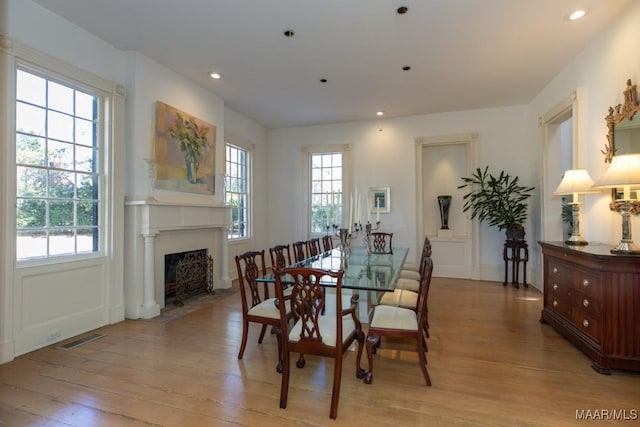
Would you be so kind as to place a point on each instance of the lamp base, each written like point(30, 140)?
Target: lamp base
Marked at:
point(576, 242)
point(626, 247)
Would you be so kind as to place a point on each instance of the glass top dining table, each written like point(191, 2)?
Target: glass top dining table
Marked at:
point(362, 269)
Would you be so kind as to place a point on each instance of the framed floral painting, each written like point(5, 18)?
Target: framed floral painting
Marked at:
point(184, 151)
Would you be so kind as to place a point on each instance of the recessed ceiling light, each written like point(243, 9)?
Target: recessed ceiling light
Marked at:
point(380, 113)
point(215, 75)
point(288, 33)
point(577, 15)
point(402, 10)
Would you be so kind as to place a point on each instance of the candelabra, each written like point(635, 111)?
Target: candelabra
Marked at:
point(345, 235)
point(367, 234)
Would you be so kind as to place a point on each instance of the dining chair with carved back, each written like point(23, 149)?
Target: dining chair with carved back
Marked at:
point(381, 242)
point(407, 291)
point(313, 247)
point(412, 271)
point(327, 242)
point(399, 322)
point(280, 256)
point(313, 333)
point(257, 306)
point(299, 250)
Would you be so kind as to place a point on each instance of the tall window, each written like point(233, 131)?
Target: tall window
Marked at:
point(326, 190)
point(237, 190)
point(57, 168)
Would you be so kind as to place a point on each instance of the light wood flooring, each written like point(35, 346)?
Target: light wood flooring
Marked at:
point(491, 362)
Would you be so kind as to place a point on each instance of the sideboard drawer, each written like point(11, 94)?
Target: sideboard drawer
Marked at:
point(587, 284)
point(586, 303)
point(587, 324)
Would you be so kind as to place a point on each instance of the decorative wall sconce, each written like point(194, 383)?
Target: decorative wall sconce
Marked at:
point(624, 171)
point(574, 182)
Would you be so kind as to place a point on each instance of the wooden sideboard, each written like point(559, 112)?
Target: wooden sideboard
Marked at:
point(592, 298)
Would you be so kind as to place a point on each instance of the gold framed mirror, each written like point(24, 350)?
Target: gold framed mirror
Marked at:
point(624, 133)
point(623, 137)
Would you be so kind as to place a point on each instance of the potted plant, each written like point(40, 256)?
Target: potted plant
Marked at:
point(193, 140)
point(500, 201)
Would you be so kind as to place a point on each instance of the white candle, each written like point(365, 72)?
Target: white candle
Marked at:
point(355, 208)
point(377, 210)
point(350, 211)
point(369, 209)
point(357, 219)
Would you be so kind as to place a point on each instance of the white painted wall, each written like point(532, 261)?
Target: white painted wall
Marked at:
point(45, 304)
point(149, 82)
point(386, 159)
point(602, 68)
point(251, 132)
point(146, 82)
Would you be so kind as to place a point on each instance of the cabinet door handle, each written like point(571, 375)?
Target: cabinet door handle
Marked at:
point(585, 302)
point(555, 303)
point(585, 323)
point(555, 269)
point(585, 283)
point(555, 286)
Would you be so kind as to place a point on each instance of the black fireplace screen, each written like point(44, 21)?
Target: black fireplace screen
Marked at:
point(187, 274)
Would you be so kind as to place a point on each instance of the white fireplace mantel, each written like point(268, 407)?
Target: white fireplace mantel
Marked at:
point(155, 228)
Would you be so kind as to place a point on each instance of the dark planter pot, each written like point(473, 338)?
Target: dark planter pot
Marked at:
point(515, 233)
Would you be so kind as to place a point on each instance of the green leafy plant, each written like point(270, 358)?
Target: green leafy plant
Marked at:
point(192, 139)
point(499, 201)
point(567, 214)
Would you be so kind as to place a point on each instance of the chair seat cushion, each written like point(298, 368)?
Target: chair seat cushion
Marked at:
point(408, 284)
point(388, 317)
point(266, 308)
point(412, 266)
point(409, 274)
point(327, 325)
point(400, 298)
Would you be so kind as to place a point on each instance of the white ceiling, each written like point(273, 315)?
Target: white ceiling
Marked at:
point(463, 54)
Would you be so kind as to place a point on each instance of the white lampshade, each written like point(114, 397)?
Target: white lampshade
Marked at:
point(575, 181)
point(624, 170)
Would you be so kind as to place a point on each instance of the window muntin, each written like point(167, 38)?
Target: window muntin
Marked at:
point(57, 168)
point(326, 190)
point(237, 190)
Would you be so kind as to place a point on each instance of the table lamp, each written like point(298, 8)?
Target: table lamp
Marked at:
point(575, 181)
point(624, 171)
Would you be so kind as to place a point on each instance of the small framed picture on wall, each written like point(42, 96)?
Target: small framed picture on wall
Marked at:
point(380, 199)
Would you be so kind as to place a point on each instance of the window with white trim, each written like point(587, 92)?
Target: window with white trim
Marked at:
point(326, 190)
point(237, 190)
point(58, 168)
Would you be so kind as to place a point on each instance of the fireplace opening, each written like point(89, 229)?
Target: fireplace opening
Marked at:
point(187, 274)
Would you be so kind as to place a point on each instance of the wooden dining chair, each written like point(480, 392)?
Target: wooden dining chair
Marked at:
point(280, 256)
point(398, 322)
point(313, 247)
point(327, 242)
point(257, 307)
point(407, 291)
point(381, 242)
point(410, 279)
point(314, 333)
point(410, 271)
point(300, 250)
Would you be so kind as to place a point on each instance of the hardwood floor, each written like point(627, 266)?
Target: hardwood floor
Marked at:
point(491, 362)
